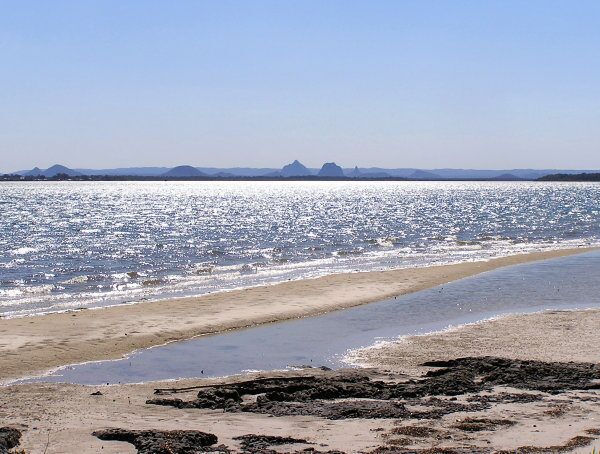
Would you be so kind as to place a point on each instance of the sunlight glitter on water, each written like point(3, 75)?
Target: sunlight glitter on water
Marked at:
point(87, 244)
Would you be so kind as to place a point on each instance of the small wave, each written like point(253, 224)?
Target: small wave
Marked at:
point(24, 250)
point(127, 275)
point(76, 280)
point(468, 243)
point(18, 291)
point(10, 293)
point(152, 282)
point(202, 269)
point(90, 230)
point(40, 288)
point(386, 242)
point(346, 253)
point(123, 287)
point(248, 268)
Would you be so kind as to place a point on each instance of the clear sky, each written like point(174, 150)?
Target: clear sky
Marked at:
point(480, 83)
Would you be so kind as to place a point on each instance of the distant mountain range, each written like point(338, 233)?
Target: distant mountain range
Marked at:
point(51, 172)
point(297, 170)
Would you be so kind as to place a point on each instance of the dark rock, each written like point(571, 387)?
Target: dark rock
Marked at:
point(259, 443)
point(433, 450)
point(219, 398)
point(576, 442)
point(367, 409)
point(162, 442)
point(506, 398)
point(414, 431)
point(550, 377)
point(330, 395)
point(479, 424)
point(9, 438)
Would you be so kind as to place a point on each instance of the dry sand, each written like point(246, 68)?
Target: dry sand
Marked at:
point(34, 344)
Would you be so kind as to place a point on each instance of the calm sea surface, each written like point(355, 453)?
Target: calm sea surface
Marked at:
point(67, 245)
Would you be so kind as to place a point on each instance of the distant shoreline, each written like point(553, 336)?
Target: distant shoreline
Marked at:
point(571, 177)
point(13, 178)
point(584, 177)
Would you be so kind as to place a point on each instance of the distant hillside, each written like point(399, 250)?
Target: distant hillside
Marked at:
point(424, 175)
point(35, 172)
point(357, 173)
point(295, 169)
point(508, 177)
point(51, 171)
point(238, 171)
point(468, 174)
point(331, 169)
point(571, 177)
point(126, 171)
point(183, 172)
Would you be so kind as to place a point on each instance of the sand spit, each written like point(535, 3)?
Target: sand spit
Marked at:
point(35, 344)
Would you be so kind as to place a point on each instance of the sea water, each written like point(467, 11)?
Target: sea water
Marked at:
point(66, 245)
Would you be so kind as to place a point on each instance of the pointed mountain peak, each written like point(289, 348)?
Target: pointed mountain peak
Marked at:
point(295, 169)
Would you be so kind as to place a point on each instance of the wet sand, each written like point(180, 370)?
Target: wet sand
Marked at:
point(35, 344)
point(539, 415)
point(563, 336)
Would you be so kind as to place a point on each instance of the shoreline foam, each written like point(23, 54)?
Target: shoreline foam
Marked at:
point(41, 300)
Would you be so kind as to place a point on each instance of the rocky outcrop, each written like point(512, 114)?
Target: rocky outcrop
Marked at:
point(163, 442)
point(9, 438)
point(353, 394)
point(260, 443)
point(550, 377)
point(195, 442)
point(419, 404)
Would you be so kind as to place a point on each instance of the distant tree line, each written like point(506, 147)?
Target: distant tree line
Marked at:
point(571, 177)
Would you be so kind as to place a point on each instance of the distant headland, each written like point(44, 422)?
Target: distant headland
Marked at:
point(296, 171)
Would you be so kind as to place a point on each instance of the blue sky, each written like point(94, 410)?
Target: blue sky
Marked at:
point(487, 84)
